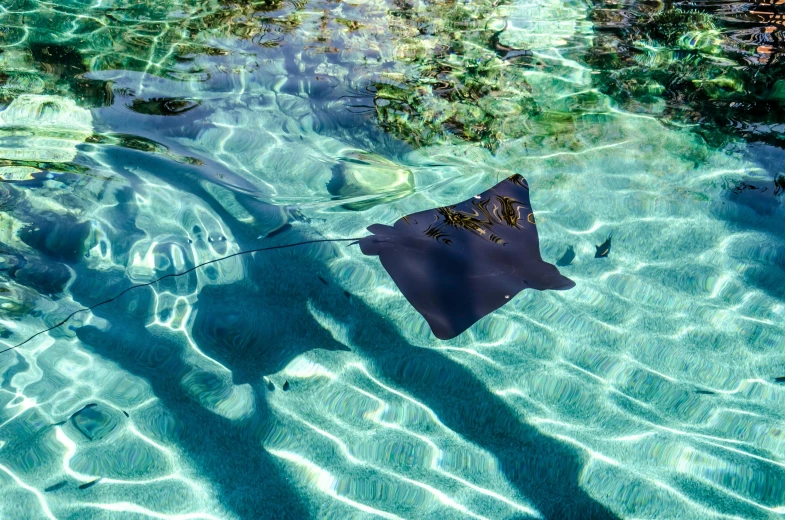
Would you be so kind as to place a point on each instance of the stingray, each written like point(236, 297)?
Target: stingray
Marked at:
point(454, 264)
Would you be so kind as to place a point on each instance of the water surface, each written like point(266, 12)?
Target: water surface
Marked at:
point(139, 139)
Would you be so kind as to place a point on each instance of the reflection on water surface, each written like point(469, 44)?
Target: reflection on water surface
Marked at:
point(139, 139)
point(717, 65)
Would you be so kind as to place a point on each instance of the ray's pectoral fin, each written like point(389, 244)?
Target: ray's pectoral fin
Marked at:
point(372, 244)
point(544, 276)
point(555, 282)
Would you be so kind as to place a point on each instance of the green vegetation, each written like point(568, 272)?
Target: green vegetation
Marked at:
point(685, 67)
point(456, 84)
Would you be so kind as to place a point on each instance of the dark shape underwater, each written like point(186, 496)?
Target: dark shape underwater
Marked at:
point(459, 263)
point(567, 257)
point(604, 249)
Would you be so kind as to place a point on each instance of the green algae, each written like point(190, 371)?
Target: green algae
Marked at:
point(366, 180)
point(456, 84)
point(684, 66)
point(447, 72)
point(674, 26)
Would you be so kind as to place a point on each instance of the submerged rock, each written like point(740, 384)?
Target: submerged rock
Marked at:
point(94, 422)
point(763, 196)
point(365, 180)
point(59, 237)
point(40, 132)
point(163, 106)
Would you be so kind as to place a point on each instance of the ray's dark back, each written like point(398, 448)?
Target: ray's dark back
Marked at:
point(456, 264)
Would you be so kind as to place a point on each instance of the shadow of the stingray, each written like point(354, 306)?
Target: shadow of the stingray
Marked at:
point(258, 325)
point(258, 328)
point(545, 470)
point(227, 453)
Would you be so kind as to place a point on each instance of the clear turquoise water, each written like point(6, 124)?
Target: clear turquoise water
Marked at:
point(650, 390)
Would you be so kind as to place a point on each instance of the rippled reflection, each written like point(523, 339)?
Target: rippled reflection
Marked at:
point(139, 139)
point(715, 64)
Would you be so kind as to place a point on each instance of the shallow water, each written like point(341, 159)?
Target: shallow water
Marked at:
point(141, 139)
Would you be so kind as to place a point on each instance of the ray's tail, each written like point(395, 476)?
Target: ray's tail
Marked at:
point(175, 275)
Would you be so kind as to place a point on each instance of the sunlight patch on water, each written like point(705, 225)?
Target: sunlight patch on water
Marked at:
point(657, 371)
point(346, 406)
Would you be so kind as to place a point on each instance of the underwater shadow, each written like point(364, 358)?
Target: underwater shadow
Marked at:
point(545, 470)
point(227, 327)
point(229, 454)
point(256, 326)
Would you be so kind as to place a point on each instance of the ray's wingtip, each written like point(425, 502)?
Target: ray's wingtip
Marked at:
point(568, 284)
point(562, 283)
point(443, 335)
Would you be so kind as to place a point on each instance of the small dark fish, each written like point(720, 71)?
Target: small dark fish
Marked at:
point(779, 185)
point(279, 231)
point(286, 386)
point(90, 484)
point(126, 413)
point(322, 280)
point(270, 386)
point(780, 380)
point(567, 257)
point(57, 486)
point(604, 248)
point(705, 392)
point(346, 293)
